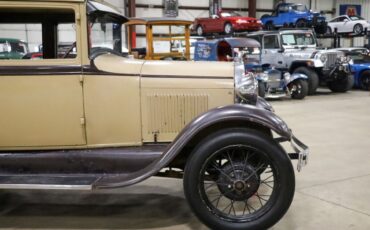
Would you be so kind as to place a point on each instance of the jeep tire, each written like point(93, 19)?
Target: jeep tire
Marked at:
point(313, 78)
point(203, 167)
point(341, 86)
point(301, 23)
point(269, 26)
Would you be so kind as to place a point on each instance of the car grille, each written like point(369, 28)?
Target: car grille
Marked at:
point(274, 78)
point(331, 60)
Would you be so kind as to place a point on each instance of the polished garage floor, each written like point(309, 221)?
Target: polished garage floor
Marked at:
point(333, 191)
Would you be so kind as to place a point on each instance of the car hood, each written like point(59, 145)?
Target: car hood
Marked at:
point(298, 53)
point(109, 63)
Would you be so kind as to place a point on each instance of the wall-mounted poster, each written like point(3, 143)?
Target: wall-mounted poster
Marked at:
point(171, 8)
point(349, 10)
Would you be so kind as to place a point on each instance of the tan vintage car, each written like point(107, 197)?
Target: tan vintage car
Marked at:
point(97, 120)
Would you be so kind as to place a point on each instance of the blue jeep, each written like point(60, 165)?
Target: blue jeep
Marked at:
point(294, 15)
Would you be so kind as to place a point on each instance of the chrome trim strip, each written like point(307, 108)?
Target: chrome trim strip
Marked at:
point(46, 187)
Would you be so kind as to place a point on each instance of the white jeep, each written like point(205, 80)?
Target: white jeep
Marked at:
point(296, 51)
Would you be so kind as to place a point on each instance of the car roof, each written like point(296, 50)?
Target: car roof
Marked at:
point(158, 21)
point(10, 40)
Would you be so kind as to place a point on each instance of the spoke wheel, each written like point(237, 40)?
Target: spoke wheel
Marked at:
point(237, 183)
point(239, 178)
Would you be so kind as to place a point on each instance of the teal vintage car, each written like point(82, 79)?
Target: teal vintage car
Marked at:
point(11, 48)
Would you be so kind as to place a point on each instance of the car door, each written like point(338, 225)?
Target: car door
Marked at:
point(271, 51)
point(41, 99)
point(339, 24)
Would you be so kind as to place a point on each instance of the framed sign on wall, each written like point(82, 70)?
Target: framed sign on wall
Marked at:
point(171, 8)
point(350, 10)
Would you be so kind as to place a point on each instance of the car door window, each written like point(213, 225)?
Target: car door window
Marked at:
point(37, 34)
point(271, 42)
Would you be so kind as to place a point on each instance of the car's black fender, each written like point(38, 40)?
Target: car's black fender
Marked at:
point(237, 114)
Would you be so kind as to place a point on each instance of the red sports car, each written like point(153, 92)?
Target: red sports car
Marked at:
point(225, 22)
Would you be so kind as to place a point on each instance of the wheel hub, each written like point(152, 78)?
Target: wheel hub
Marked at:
point(239, 181)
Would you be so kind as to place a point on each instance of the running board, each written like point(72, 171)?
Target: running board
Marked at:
point(48, 182)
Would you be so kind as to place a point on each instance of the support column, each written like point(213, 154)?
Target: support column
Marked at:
point(252, 5)
point(132, 30)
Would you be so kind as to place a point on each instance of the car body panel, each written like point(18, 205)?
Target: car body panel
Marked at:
point(237, 112)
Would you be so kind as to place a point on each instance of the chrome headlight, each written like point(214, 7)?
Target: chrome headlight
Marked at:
point(246, 85)
point(323, 58)
point(287, 76)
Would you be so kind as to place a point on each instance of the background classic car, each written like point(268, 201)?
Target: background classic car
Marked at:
point(225, 22)
point(359, 66)
point(98, 120)
point(348, 24)
point(294, 15)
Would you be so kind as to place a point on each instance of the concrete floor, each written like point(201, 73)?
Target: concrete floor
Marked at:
point(333, 191)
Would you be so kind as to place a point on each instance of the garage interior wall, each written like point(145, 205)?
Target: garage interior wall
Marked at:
point(32, 34)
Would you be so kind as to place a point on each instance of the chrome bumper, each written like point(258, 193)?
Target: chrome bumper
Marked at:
point(301, 153)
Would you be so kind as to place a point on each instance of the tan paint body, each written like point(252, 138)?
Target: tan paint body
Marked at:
point(136, 101)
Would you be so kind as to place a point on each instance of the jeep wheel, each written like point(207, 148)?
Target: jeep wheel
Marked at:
point(261, 89)
point(298, 89)
point(239, 179)
point(301, 23)
point(228, 29)
point(357, 29)
point(269, 26)
point(341, 86)
point(200, 31)
point(313, 78)
point(365, 80)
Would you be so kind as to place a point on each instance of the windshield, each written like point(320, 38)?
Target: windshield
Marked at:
point(229, 14)
point(356, 18)
point(105, 34)
point(303, 39)
point(300, 8)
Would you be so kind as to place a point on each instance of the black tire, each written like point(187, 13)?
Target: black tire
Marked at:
point(365, 80)
point(301, 23)
point(358, 29)
point(342, 86)
point(269, 26)
point(266, 148)
point(228, 29)
point(261, 89)
point(313, 78)
point(200, 31)
point(298, 89)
